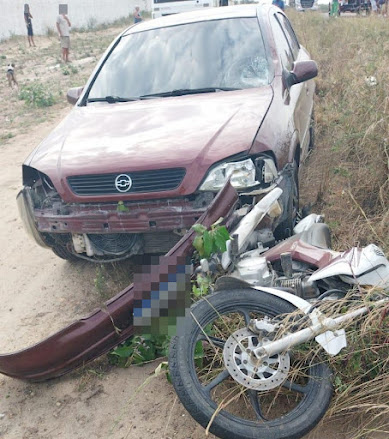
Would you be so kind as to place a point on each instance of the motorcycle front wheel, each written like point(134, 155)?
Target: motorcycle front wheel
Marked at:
point(288, 409)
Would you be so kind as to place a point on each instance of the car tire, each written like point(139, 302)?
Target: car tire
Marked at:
point(200, 404)
point(63, 253)
point(285, 228)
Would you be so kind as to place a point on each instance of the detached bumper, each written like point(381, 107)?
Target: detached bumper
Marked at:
point(88, 338)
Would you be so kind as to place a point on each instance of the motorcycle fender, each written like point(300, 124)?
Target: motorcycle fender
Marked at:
point(331, 341)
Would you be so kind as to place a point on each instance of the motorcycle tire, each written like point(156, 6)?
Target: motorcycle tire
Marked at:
point(315, 398)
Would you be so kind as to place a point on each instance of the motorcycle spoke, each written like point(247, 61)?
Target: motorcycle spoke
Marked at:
point(218, 342)
point(253, 396)
point(290, 385)
point(216, 381)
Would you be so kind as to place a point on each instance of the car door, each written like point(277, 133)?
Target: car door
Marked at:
point(300, 96)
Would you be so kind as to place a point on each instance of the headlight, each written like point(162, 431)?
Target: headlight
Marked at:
point(243, 175)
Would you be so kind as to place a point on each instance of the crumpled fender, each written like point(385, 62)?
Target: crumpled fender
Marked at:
point(92, 336)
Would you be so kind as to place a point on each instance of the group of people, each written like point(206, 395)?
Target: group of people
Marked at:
point(63, 27)
point(377, 6)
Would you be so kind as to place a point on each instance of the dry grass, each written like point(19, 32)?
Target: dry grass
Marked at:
point(361, 370)
point(347, 180)
point(347, 175)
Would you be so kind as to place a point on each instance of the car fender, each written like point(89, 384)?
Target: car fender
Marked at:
point(294, 149)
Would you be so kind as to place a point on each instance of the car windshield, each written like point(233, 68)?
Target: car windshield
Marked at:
point(197, 57)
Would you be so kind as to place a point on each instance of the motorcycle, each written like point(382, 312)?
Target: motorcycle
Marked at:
point(247, 365)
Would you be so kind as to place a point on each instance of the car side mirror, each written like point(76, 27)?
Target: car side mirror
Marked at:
point(73, 94)
point(302, 71)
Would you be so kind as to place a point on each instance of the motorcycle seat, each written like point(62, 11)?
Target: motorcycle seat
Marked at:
point(317, 235)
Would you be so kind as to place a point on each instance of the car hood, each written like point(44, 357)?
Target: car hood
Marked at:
point(191, 131)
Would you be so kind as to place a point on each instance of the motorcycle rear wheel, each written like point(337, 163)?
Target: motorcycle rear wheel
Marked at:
point(302, 402)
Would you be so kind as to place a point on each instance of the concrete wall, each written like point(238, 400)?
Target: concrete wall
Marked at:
point(81, 13)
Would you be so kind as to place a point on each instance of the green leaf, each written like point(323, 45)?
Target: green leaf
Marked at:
point(199, 354)
point(123, 351)
point(208, 244)
point(121, 207)
point(222, 231)
point(220, 240)
point(198, 244)
point(199, 228)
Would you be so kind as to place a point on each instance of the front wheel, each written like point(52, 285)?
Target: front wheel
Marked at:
point(213, 376)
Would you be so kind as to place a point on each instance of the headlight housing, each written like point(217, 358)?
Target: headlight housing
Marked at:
point(243, 174)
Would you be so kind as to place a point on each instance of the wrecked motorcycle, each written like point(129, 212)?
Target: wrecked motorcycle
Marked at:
point(247, 366)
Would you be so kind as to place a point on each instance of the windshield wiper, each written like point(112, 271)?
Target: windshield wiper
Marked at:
point(112, 99)
point(189, 91)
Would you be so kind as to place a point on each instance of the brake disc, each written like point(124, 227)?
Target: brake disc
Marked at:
point(248, 370)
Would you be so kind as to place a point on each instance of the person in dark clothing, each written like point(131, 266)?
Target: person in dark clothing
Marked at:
point(27, 19)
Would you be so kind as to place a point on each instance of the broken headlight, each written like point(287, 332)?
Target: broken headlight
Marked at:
point(243, 174)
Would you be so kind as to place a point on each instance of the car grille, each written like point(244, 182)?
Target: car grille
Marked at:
point(145, 181)
point(307, 3)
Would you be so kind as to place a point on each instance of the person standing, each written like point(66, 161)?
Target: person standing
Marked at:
point(334, 8)
point(137, 16)
point(27, 19)
point(63, 27)
point(374, 6)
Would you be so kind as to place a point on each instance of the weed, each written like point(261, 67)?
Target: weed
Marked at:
point(37, 94)
point(341, 171)
point(91, 24)
point(69, 69)
point(7, 136)
point(210, 241)
point(140, 349)
point(100, 281)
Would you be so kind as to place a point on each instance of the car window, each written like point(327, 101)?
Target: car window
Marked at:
point(282, 44)
point(222, 53)
point(290, 35)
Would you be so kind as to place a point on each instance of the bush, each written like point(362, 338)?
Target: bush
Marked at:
point(37, 95)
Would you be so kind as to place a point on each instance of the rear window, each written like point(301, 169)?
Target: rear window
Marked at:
point(222, 53)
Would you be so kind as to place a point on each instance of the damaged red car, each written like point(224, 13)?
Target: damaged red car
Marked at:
point(175, 108)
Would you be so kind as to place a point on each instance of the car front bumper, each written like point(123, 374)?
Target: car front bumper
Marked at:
point(136, 217)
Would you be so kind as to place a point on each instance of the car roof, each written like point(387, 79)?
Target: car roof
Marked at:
point(207, 14)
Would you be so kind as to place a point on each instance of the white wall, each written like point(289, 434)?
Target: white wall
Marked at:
point(45, 12)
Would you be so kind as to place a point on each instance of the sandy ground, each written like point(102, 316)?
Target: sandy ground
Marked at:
point(40, 294)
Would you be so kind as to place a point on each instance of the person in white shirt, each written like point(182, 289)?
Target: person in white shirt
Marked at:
point(63, 27)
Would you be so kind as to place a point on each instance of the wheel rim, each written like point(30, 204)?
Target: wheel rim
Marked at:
point(234, 401)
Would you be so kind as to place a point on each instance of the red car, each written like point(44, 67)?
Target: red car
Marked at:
point(175, 107)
